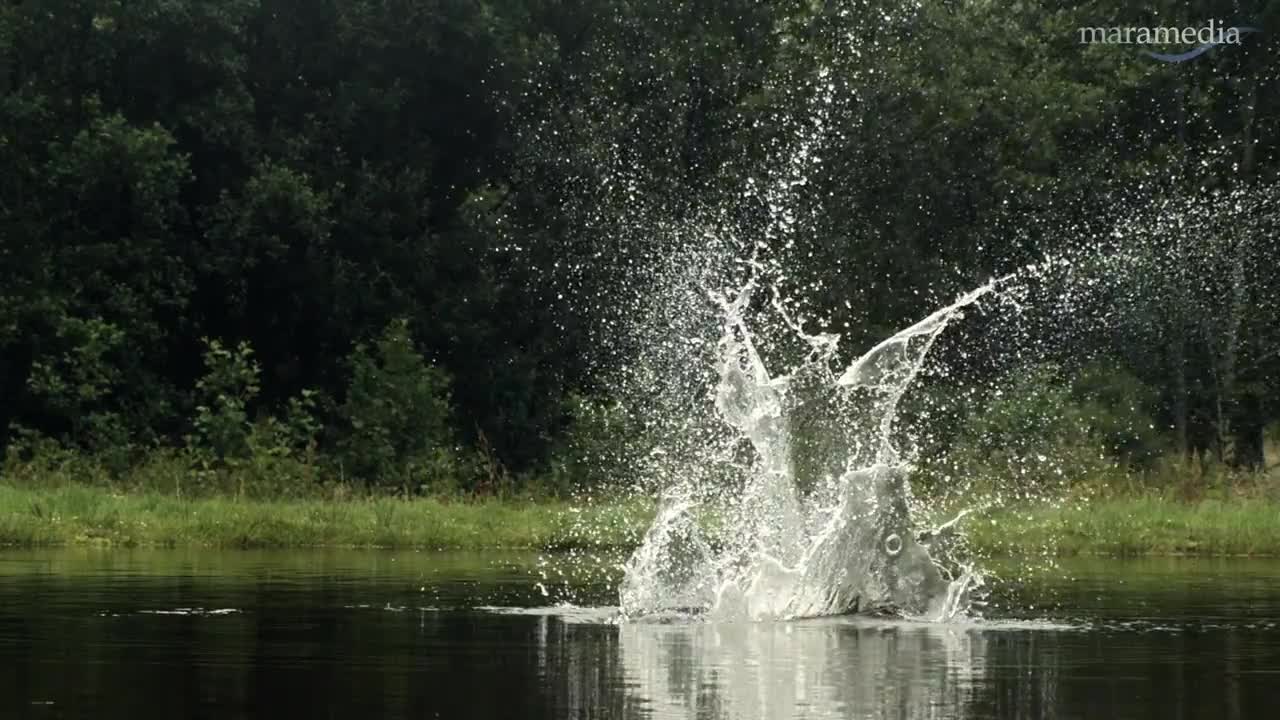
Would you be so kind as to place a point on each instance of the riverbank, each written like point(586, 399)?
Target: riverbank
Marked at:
point(83, 515)
point(1145, 525)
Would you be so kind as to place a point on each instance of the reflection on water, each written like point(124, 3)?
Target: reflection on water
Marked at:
point(354, 635)
point(829, 668)
point(819, 669)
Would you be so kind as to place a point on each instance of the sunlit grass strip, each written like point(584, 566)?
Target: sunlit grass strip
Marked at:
point(1133, 526)
point(82, 515)
point(76, 515)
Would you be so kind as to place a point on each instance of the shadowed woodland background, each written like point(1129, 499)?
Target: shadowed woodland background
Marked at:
point(370, 241)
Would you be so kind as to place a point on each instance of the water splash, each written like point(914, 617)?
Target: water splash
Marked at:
point(782, 491)
point(821, 524)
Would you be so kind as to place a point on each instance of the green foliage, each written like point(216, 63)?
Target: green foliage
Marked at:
point(600, 449)
point(397, 411)
point(272, 232)
point(92, 279)
point(1045, 428)
point(281, 174)
point(72, 379)
point(35, 460)
point(300, 429)
point(1116, 409)
point(222, 423)
point(231, 452)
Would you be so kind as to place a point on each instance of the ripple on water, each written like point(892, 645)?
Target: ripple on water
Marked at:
point(182, 611)
point(609, 614)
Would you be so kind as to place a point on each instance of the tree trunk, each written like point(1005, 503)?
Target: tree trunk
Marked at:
point(1244, 432)
point(1177, 362)
point(1248, 428)
point(1228, 351)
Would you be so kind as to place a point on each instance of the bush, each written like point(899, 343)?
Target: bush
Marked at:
point(75, 380)
point(1047, 429)
point(230, 452)
point(35, 460)
point(1115, 407)
point(599, 447)
point(230, 383)
point(398, 417)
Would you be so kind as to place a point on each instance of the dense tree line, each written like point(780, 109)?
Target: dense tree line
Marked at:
point(367, 200)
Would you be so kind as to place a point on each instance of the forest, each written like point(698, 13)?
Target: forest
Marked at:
point(265, 245)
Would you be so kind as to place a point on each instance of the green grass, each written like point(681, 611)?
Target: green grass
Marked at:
point(78, 515)
point(84, 515)
point(1133, 526)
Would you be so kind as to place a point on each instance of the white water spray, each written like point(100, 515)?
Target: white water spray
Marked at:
point(829, 535)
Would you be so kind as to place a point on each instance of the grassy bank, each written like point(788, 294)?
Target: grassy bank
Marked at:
point(76, 515)
point(81, 515)
point(1132, 526)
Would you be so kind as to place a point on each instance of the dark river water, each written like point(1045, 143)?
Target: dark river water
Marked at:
point(155, 634)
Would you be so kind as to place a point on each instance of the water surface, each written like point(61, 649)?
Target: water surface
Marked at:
point(167, 634)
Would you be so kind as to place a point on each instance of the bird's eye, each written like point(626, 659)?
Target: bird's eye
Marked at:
point(893, 544)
